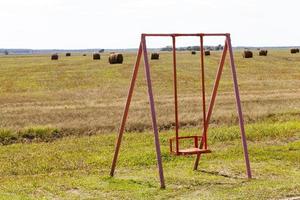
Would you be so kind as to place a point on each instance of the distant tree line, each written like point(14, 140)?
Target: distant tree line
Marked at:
point(193, 48)
point(5, 52)
point(46, 51)
point(15, 51)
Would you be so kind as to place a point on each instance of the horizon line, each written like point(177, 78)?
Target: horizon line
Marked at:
point(74, 49)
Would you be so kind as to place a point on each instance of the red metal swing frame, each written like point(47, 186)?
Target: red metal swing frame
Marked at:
point(198, 149)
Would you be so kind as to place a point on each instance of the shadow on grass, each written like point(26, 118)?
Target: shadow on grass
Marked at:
point(223, 175)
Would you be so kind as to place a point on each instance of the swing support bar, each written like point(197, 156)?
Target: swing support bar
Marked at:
point(198, 148)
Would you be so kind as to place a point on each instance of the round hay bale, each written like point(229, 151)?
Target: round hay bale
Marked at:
point(115, 58)
point(263, 53)
point(207, 53)
point(294, 50)
point(247, 54)
point(68, 54)
point(155, 56)
point(96, 56)
point(193, 52)
point(54, 57)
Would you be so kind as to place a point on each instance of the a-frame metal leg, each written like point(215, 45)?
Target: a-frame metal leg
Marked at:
point(153, 114)
point(239, 107)
point(125, 114)
point(212, 100)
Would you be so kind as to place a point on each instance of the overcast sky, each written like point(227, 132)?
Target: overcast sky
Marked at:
point(118, 23)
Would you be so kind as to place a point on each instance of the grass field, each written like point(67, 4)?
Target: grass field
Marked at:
point(58, 123)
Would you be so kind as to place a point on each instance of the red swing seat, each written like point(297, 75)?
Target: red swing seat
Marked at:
point(188, 151)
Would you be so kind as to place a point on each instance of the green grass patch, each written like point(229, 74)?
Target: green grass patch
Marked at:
point(78, 167)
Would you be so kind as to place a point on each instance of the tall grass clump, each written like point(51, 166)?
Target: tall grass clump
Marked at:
point(29, 134)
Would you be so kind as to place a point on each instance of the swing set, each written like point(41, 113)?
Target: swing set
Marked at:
point(200, 145)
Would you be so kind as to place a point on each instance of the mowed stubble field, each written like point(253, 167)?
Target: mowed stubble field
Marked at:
point(79, 94)
point(64, 102)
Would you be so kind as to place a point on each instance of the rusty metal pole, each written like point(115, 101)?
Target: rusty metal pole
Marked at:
point(239, 107)
point(125, 113)
point(175, 94)
point(213, 98)
point(204, 138)
point(153, 114)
